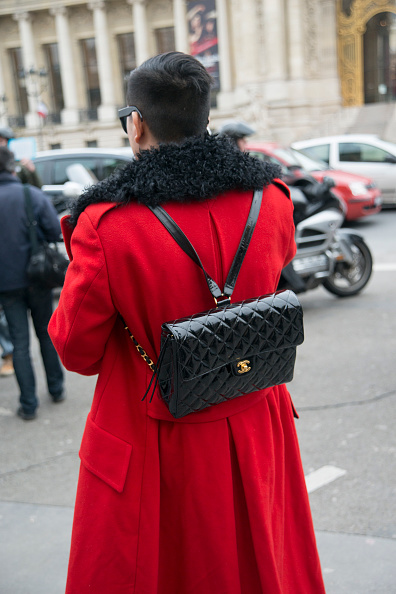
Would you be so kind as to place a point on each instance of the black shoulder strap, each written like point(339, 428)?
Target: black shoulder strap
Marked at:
point(183, 241)
point(31, 220)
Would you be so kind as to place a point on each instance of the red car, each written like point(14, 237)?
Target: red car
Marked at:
point(360, 194)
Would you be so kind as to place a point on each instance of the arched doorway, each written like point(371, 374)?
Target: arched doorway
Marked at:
point(366, 43)
point(379, 58)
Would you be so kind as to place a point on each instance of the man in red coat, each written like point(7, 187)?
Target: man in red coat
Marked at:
point(214, 502)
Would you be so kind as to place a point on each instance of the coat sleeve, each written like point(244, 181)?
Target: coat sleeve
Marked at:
point(85, 316)
point(292, 248)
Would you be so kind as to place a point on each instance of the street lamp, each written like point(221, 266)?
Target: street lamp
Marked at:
point(3, 108)
point(35, 78)
point(35, 82)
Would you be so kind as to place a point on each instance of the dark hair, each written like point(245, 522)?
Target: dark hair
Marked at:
point(7, 160)
point(172, 91)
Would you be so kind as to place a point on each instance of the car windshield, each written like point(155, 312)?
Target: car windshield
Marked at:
point(294, 158)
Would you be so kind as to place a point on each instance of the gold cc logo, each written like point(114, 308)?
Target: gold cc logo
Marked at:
point(243, 366)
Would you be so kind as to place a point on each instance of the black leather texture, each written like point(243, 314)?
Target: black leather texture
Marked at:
point(229, 351)
point(47, 266)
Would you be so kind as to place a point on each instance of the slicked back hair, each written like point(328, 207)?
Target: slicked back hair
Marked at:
point(172, 91)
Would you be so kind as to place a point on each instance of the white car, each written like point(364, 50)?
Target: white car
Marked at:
point(363, 154)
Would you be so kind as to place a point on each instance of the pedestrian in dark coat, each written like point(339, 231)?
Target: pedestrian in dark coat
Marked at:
point(214, 502)
point(25, 169)
point(17, 297)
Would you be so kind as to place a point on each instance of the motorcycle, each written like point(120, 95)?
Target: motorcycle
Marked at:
point(339, 259)
point(328, 255)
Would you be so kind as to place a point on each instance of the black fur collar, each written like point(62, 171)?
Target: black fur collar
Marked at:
point(197, 169)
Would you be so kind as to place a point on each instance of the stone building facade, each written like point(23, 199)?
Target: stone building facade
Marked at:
point(279, 62)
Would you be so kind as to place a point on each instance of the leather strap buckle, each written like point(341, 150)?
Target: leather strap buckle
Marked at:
point(222, 300)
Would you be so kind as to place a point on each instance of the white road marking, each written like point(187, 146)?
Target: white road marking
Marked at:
point(5, 412)
point(321, 477)
point(384, 267)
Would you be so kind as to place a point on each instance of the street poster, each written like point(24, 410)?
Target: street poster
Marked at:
point(202, 25)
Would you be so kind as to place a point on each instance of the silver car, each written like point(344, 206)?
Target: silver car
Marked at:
point(363, 154)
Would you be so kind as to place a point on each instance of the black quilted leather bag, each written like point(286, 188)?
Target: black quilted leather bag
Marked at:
point(231, 350)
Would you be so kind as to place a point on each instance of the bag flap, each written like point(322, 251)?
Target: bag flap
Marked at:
point(226, 335)
point(105, 455)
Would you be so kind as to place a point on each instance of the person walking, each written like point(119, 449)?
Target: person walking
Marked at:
point(237, 132)
point(214, 501)
point(7, 367)
point(25, 168)
point(17, 297)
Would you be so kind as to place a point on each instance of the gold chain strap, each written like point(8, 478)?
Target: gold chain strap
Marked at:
point(140, 350)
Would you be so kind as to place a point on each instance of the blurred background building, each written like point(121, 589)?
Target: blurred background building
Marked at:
point(291, 68)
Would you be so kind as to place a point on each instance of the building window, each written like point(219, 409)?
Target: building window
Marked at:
point(92, 143)
point(90, 65)
point(126, 51)
point(20, 88)
point(165, 40)
point(56, 145)
point(53, 67)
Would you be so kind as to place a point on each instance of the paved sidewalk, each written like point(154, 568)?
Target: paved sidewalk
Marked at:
point(344, 390)
point(34, 547)
point(34, 543)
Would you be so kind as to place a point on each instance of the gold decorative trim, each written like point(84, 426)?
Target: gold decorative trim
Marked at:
point(350, 31)
point(243, 366)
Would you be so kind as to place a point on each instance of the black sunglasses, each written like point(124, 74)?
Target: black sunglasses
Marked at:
point(124, 113)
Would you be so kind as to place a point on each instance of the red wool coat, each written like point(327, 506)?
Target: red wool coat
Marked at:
point(214, 503)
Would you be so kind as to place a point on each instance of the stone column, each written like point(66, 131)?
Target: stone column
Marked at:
point(181, 29)
point(275, 41)
point(224, 46)
point(69, 114)
point(3, 113)
point(330, 84)
point(295, 26)
point(29, 61)
point(140, 29)
point(106, 111)
point(328, 40)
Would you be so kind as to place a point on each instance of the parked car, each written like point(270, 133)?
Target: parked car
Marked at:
point(52, 168)
point(363, 154)
point(360, 194)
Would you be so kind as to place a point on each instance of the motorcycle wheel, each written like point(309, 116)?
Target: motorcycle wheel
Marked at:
point(350, 279)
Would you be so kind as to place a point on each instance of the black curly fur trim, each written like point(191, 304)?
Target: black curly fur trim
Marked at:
point(197, 169)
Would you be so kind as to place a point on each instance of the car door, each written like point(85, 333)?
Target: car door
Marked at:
point(364, 158)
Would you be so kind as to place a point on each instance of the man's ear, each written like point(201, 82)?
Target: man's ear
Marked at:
point(138, 127)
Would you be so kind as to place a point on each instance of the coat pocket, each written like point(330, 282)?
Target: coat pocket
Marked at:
point(105, 455)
